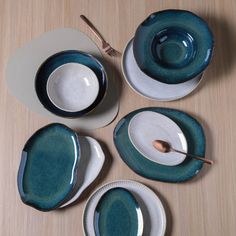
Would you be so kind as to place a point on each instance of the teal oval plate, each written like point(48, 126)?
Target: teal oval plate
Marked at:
point(195, 137)
point(118, 213)
point(48, 168)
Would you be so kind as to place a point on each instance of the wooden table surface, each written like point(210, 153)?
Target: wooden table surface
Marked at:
point(205, 205)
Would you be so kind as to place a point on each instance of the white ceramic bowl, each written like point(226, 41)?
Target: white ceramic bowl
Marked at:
point(72, 87)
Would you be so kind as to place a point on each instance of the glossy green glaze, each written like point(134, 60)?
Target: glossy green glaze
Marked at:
point(186, 170)
point(118, 213)
point(173, 46)
point(48, 168)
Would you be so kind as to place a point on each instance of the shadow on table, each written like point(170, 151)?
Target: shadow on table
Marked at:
point(114, 90)
point(224, 56)
point(102, 175)
point(169, 217)
point(209, 153)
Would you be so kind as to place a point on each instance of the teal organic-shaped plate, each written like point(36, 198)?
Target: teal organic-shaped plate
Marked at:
point(141, 165)
point(48, 168)
point(118, 213)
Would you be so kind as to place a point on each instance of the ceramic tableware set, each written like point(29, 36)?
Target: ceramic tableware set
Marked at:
point(168, 54)
point(164, 61)
point(57, 85)
point(56, 166)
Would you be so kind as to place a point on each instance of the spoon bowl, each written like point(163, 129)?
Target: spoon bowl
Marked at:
point(165, 147)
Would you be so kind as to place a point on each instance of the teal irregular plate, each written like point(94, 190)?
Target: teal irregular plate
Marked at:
point(195, 137)
point(48, 168)
point(118, 213)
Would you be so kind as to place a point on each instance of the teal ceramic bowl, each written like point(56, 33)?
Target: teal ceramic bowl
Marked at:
point(59, 59)
point(173, 46)
point(48, 169)
point(186, 170)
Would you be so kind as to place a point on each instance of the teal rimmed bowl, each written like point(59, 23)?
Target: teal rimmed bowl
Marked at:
point(173, 46)
point(57, 61)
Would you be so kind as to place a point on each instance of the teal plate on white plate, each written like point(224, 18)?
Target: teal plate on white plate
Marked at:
point(193, 132)
point(173, 46)
point(153, 212)
point(118, 213)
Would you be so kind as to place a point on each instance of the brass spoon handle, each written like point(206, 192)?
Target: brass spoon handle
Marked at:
point(92, 27)
point(210, 162)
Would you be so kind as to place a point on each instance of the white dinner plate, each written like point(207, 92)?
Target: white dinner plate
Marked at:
point(148, 126)
point(92, 160)
point(149, 87)
point(151, 206)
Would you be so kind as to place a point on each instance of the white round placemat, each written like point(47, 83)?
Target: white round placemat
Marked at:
point(151, 206)
point(23, 65)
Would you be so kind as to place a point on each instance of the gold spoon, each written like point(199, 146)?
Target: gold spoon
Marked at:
point(165, 147)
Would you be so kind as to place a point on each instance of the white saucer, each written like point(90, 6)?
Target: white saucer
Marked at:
point(147, 126)
point(72, 87)
point(148, 87)
point(151, 206)
point(92, 160)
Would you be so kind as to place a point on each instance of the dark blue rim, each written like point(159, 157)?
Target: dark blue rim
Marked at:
point(43, 75)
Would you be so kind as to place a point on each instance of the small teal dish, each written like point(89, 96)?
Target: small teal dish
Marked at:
point(118, 213)
point(48, 167)
point(173, 46)
point(59, 59)
point(186, 170)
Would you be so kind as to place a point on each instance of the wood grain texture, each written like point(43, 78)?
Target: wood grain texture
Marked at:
point(203, 206)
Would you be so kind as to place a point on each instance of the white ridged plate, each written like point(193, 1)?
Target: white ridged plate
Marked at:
point(151, 206)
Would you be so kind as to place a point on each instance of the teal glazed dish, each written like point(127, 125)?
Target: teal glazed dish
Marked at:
point(186, 170)
point(62, 58)
point(118, 213)
point(48, 167)
point(173, 46)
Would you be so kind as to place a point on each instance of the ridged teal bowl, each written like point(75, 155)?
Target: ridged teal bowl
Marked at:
point(173, 46)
